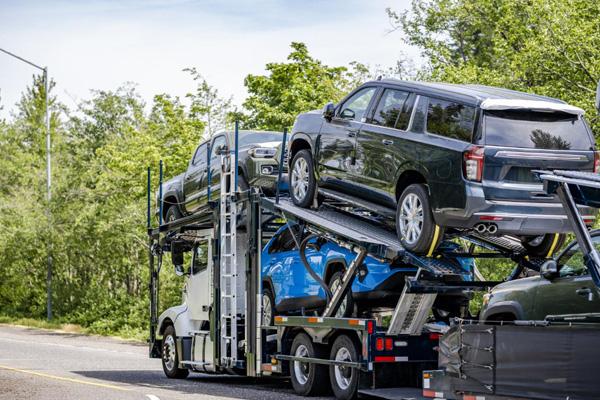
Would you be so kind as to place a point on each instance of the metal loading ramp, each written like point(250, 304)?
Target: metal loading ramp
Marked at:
point(377, 240)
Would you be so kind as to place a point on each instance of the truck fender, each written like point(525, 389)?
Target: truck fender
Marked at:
point(177, 316)
point(504, 307)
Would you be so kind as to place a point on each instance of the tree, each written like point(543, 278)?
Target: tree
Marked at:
point(207, 105)
point(301, 84)
point(546, 47)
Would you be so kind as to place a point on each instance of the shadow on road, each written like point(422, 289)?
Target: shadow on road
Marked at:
point(216, 385)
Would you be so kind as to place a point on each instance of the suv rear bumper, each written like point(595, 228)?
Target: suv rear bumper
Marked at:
point(511, 217)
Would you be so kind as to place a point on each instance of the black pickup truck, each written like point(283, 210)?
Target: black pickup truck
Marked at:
point(258, 165)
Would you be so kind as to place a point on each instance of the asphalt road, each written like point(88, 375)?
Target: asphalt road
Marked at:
point(41, 364)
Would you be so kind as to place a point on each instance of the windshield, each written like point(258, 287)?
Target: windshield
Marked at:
point(536, 130)
point(259, 137)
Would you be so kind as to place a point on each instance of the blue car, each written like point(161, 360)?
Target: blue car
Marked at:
point(288, 288)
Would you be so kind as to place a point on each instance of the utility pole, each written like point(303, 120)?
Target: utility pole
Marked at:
point(48, 178)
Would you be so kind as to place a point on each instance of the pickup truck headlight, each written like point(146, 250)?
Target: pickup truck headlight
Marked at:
point(486, 299)
point(262, 152)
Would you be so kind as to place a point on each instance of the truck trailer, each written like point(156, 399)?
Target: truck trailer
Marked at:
point(217, 328)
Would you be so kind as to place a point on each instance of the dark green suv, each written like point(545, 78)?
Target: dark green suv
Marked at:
point(568, 289)
point(440, 158)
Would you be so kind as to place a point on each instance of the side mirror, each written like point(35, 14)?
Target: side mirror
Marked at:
point(347, 114)
point(549, 270)
point(598, 97)
point(328, 111)
point(177, 258)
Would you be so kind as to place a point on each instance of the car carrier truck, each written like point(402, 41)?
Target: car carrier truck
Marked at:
point(217, 328)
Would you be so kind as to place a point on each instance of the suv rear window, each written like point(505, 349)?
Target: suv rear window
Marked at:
point(449, 119)
point(536, 130)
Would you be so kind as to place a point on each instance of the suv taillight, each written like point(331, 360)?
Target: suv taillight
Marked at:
point(597, 162)
point(473, 163)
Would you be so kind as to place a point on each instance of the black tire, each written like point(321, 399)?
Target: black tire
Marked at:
point(304, 174)
point(172, 214)
point(170, 357)
point(349, 310)
point(344, 380)
point(268, 309)
point(430, 235)
point(308, 379)
point(242, 217)
point(543, 246)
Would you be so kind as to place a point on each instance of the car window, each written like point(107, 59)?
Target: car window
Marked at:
point(418, 123)
point(571, 263)
point(219, 141)
point(536, 130)
point(200, 155)
point(449, 119)
point(285, 241)
point(356, 106)
point(390, 107)
point(200, 258)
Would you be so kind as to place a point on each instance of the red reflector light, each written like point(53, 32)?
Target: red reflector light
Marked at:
point(434, 336)
point(379, 344)
point(389, 343)
point(588, 221)
point(385, 358)
point(370, 327)
point(490, 218)
point(428, 393)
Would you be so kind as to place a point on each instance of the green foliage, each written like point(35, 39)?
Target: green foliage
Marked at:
point(98, 207)
point(545, 47)
point(299, 85)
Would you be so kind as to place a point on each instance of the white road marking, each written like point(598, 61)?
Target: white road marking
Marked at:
point(152, 397)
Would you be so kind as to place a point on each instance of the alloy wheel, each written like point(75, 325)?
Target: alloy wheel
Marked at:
point(411, 218)
point(343, 374)
point(299, 179)
point(301, 368)
point(267, 307)
point(169, 353)
point(335, 284)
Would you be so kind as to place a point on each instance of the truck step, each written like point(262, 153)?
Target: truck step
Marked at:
point(411, 313)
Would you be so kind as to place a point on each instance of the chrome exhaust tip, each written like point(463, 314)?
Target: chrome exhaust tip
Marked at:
point(481, 228)
point(492, 229)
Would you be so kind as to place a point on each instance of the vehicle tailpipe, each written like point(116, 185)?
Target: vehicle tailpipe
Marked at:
point(481, 229)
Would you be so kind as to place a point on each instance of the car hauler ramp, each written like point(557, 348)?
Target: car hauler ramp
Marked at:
point(374, 237)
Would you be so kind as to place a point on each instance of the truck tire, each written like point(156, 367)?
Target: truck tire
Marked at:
point(347, 307)
point(307, 379)
point(170, 358)
point(544, 246)
point(344, 380)
point(303, 183)
point(415, 225)
point(172, 214)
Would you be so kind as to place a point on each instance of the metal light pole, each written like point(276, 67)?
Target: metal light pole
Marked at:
point(48, 179)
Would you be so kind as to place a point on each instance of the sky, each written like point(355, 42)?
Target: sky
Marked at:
point(102, 44)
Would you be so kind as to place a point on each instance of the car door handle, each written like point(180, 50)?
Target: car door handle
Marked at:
point(585, 292)
point(387, 142)
point(352, 133)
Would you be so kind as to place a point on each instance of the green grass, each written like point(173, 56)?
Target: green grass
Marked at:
point(58, 325)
